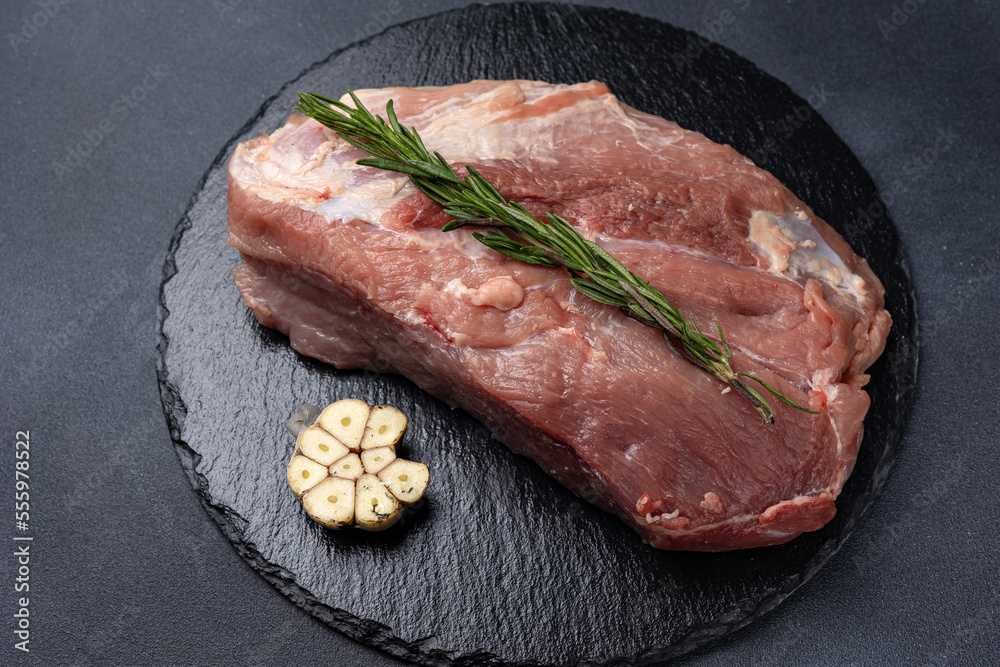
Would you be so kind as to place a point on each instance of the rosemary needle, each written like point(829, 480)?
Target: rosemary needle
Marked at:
point(473, 201)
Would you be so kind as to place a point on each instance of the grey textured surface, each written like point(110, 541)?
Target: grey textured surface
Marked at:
point(127, 565)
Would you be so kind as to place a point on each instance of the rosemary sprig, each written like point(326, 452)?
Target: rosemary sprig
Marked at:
point(473, 201)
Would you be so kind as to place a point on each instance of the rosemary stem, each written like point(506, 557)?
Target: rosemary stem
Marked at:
point(553, 243)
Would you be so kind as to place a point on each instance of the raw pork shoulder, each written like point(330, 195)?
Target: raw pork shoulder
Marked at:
point(351, 264)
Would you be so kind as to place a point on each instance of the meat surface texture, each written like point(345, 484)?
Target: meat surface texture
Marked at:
point(351, 263)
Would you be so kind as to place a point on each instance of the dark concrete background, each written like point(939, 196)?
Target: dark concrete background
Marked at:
point(126, 567)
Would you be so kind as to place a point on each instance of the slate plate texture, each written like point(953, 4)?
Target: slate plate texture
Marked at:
point(502, 565)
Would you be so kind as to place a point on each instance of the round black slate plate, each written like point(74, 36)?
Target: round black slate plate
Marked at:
point(503, 565)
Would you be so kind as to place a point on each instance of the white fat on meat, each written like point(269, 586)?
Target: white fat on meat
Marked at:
point(501, 292)
point(794, 249)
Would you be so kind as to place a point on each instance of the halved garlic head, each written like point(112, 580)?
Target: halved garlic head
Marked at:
point(344, 468)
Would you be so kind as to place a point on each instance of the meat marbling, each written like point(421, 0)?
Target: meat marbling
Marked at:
point(351, 264)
